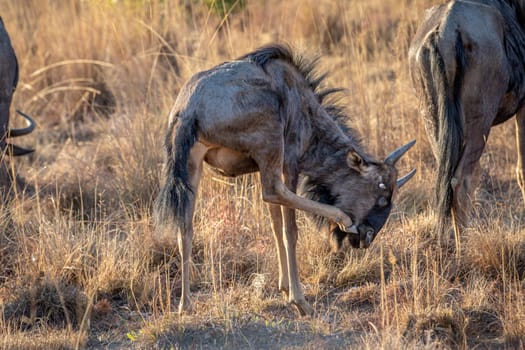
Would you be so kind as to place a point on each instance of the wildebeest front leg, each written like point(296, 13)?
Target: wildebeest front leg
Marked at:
point(275, 192)
point(295, 295)
point(277, 226)
point(520, 141)
point(286, 252)
point(271, 162)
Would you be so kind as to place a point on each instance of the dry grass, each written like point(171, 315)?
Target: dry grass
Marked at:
point(78, 262)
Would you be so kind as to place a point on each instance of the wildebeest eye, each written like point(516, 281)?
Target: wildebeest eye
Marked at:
point(382, 202)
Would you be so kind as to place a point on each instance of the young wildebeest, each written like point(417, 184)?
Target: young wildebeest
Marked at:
point(264, 112)
point(467, 62)
point(8, 82)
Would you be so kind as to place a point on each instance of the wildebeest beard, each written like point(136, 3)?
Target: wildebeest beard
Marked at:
point(367, 228)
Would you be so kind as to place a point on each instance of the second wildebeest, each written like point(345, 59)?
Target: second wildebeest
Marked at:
point(264, 112)
point(467, 62)
point(8, 83)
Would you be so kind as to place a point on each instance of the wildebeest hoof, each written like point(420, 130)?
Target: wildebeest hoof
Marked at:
point(303, 307)
point(284, 291)
point(348, 228)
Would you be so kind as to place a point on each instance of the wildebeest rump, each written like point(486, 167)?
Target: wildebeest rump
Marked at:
point(467, 62)
point(264, 112)
point(8, 82)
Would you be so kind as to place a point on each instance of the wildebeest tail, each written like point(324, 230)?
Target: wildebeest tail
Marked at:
point(174, 199)
point(447, 110)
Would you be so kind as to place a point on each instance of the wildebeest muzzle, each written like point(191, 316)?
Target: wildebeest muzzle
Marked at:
point(363, 233)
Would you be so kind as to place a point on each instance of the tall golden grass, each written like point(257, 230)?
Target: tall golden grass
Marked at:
point(79, 266)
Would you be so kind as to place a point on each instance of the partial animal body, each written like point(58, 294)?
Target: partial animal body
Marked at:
point(467, 63)
point(8, 82)
point(264, 112)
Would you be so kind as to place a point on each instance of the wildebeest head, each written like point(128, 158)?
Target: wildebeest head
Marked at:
point(363, 190)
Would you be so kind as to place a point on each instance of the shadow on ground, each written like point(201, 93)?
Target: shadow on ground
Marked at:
point(254, 335)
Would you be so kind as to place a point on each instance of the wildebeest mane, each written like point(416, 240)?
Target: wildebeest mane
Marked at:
point(315, 80)
point(518, 6)
point(514, 42)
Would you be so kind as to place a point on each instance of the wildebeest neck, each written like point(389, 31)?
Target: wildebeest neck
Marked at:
point(322, 159)
point(320, 168)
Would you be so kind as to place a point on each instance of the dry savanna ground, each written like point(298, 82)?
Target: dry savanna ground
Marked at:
point(79, 264)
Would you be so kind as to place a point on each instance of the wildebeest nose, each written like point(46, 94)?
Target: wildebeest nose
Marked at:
point(366, 238)
point(369, 236)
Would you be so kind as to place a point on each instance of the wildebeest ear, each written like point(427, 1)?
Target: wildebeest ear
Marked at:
point(355, 161)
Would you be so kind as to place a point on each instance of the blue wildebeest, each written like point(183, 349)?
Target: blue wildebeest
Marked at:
point(467, 63)
point(8, 82)
point(264, 112)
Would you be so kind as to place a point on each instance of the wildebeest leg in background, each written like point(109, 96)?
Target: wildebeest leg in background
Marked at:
point(480, 103)
point(466, 176)
point(277, 227)
point(295, 295)
point(185, 234)
point(520, 140)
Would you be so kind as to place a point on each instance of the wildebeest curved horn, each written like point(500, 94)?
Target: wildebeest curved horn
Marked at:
point(16, 151)
point(400, 182)
point(393, 157)
point(23, 131)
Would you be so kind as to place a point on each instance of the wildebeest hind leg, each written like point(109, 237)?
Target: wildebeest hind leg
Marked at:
point(520, 140)
point(185, 236)
point(466, 176)
point(277, 227)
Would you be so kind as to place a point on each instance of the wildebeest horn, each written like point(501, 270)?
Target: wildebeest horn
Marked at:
point(23, 131)
point(16, 151)
point(393, 157)
point(400, 182)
